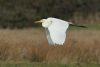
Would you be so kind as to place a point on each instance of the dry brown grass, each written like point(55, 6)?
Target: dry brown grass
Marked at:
point(82, 46)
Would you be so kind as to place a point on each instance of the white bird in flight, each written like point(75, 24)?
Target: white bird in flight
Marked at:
point(56, 29)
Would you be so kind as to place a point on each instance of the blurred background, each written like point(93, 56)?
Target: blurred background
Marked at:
point(21, 40)
point(23, 13)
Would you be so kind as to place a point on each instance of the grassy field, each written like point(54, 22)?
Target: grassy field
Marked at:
point(8, 64)
point(30, 46)
point(46, 65)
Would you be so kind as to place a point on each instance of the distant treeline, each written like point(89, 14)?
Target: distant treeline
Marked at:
point(22, 13)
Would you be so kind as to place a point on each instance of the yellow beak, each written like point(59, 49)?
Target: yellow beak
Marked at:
point(38, 21)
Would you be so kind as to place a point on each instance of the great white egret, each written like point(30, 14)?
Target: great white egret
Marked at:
point(56, 29)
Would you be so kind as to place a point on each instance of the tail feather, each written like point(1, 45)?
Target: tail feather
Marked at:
point(79, 25)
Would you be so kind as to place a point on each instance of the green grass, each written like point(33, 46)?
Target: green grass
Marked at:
point(31, 65)
point(46, 65)
point(93, 26)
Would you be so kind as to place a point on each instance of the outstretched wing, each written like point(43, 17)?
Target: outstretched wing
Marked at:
point(57, 31)
point(48, 36)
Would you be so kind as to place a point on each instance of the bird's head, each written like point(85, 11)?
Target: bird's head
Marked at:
point(45, 22)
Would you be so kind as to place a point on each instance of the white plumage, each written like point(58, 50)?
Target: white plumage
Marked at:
point(56, 29)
